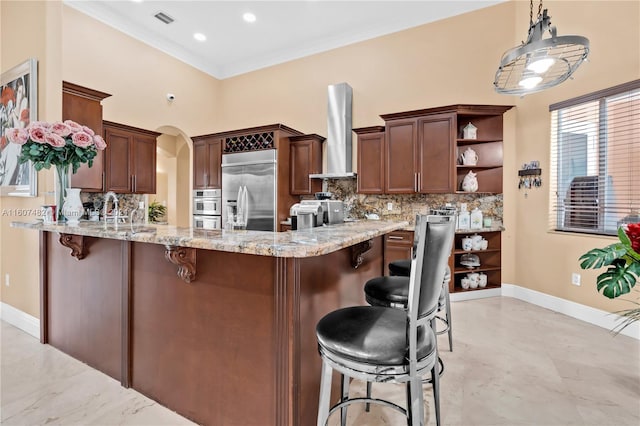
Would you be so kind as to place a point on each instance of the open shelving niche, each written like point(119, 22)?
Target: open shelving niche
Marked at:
point(490, 260)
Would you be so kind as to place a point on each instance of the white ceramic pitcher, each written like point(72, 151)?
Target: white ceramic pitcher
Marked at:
point(72, 207)
point(469, 157)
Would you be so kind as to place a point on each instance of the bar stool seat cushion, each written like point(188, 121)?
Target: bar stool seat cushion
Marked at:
point(401, 267)
point(371, 334)
point(387, 291)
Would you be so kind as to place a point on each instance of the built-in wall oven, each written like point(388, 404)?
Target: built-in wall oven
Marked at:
point(207, 209)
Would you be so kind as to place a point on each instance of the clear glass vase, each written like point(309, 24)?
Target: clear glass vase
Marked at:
point(63, 181)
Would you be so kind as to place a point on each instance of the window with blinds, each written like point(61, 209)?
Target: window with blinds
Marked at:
point(595, 161)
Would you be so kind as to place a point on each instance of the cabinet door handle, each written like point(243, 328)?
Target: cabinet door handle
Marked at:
point(393, 237)
point(419, 175)
point(104, 181)
point(415, 182)
point(206, 179)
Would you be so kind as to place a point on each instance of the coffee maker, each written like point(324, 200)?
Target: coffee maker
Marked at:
point(305, 216)
point(332, 210)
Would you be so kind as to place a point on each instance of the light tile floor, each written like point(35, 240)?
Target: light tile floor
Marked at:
point(513, 364)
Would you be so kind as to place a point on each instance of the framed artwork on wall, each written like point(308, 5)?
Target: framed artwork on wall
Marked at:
point(18, 107)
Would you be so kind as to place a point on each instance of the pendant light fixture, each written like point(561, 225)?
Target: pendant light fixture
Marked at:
point(540, 63)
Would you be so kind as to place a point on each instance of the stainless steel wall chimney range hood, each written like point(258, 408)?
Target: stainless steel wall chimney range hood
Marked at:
point(338, 142)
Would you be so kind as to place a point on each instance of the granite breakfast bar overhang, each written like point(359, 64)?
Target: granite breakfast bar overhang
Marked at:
point(218, 326)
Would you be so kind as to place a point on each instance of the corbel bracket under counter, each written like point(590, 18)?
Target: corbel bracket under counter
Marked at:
point(185, 259)
point(358, 251)
point(75, 243)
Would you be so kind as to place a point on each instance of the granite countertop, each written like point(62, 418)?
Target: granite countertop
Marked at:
point(495, 227)
point(304, 243)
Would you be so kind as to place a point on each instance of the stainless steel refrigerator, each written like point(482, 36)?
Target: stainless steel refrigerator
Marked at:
point(249, 188)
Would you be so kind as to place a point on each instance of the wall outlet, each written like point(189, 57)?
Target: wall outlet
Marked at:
point(6, 280)
point(575, 279)
point(389, 206)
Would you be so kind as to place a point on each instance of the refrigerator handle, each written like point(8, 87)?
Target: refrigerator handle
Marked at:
point(245, 200)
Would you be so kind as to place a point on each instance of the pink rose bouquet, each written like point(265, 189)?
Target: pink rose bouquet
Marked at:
point(58, 144)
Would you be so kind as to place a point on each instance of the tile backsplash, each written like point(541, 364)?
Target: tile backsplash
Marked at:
point(406, 206)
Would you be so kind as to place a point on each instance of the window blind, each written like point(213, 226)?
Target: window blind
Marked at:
point(595, 161)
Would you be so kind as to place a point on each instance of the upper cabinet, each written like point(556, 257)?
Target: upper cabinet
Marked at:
point(305, 158)
point(420, 151)
point(83, 106)
point(371, 157)
point(130, 159)
point(435, 152)
point(207, 158)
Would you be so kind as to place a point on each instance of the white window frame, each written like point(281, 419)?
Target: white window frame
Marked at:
point(609, 213)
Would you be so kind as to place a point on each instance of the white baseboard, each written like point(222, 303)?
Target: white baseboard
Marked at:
point(576, 310)
point(22, 320)
point(475, 294)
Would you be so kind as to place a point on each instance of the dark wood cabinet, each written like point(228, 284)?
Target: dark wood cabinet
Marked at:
point(420, 154)
point(371, 157)
point(397, 246)
point(272, 136)
point(305, 158)
point(83, 106)
point(130, 159)
point(400, 159)
point(423, 147)
point(207, 159)
point(436, 149)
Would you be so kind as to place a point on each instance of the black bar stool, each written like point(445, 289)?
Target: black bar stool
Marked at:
point(381, 344)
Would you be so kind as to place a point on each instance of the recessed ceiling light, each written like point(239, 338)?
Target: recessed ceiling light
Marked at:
point(199, 36)
point(249, 17)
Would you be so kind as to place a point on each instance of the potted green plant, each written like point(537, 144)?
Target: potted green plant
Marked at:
point(622, 260)
point(156, 212)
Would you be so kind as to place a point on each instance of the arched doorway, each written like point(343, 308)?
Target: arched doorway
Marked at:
point(173, 175)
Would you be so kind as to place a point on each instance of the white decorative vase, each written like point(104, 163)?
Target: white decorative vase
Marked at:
point(72, 207)
point(470, 182)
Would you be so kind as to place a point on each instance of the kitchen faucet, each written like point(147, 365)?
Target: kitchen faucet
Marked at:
point(115, 206)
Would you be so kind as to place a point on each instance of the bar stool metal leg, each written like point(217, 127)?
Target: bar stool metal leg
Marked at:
point(448, 316)
point(344, 390)
point(325, 394)
point(415, 402)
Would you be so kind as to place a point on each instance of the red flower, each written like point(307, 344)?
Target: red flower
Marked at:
point(24, 116)
point(7, 95)
point(633, 232)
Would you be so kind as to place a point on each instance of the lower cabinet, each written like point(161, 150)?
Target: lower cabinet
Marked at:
point(398, 245)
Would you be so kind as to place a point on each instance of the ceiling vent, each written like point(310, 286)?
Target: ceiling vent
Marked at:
point(164, 17)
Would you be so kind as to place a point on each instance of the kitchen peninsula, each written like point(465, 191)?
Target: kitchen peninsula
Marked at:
point(216, 325)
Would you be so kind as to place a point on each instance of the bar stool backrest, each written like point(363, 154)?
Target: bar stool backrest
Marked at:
point(432, 247)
